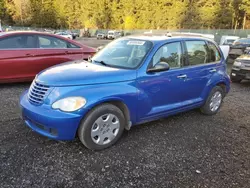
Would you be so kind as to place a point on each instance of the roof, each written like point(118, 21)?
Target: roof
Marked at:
point(155, 38)
point(23, 32)
point(18, 32)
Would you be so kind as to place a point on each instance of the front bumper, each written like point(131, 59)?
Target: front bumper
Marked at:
point(48, 122)
point(240, 73)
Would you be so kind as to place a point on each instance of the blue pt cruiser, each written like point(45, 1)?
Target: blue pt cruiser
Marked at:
point(131, 81)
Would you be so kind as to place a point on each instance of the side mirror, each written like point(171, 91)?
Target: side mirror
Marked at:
point(159, 67)
point(99, 48)
point(89, 58)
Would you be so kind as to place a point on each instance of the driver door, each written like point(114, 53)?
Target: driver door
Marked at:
point(163, 92)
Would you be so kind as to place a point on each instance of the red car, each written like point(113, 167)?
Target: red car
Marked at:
point(24, 54)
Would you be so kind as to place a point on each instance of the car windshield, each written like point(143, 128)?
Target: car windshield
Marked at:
point(123, 53)
point(229, 41)
point(243, 41)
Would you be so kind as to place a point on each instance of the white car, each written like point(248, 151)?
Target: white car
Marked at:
point(101, 36)
point(66, 35)
point(113, 34)
point(228, 40)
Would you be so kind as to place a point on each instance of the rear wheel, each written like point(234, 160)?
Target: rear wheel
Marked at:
point(102, 127)
point(214, 101)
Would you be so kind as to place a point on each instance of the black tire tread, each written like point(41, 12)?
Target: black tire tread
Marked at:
point(205, 109)
point(86, 125)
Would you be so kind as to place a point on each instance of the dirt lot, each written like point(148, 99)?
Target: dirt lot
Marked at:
point(186, 150)
point(93, 42)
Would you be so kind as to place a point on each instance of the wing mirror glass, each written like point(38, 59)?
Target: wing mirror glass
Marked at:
point(159, 67)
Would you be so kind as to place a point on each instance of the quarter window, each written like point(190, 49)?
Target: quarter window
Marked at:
point(214, 54)
point(70, 45)
point(169, 53)
point(19, 41)
point(197, 52)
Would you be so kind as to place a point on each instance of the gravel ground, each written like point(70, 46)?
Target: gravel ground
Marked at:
point(93, 42)
point(186, 150)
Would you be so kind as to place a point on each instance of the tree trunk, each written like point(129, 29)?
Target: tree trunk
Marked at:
point(244, 21)
point(235, 26)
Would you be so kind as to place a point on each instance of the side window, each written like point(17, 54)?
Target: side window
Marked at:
point(197, 52)
point(70, 45)
point(169, 53)
point(51, 42)
point(19, 41)
point(214, 54)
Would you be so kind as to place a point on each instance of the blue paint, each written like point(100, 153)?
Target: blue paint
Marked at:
point(148, 96)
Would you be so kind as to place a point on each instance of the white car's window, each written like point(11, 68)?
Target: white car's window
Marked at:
point(51, 42)
point(169, 53)
point(124, 53)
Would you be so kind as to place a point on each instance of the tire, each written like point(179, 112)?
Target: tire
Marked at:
point(235, 79)
point(206, 108)
point(89, 124)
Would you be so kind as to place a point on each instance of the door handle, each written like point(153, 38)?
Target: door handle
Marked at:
point(182, 76)
point(29, 55)
point(212, 70)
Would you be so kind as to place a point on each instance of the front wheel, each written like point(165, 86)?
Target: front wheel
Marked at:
point(235, 79)
point(102, 127)
point(214, 101)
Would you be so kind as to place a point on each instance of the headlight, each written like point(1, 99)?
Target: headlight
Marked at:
point(237, 63)
point(69, 104)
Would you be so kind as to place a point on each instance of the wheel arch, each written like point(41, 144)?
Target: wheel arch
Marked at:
point(221, 83)
point(223, 86)
point(119, 104)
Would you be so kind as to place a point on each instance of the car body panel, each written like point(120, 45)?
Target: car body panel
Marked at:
point(87, 74)
point(242, 72)
point(147, 96)
point(43, 119)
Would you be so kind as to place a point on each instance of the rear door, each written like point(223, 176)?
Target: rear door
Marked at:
point(52, 51)
point(17, 54)
point(201, 66)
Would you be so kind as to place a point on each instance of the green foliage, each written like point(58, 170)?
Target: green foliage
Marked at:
point(245, 6)
point(127, 14)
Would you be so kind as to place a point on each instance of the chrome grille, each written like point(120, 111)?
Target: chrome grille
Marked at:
point(37, 92)
point(245, 61)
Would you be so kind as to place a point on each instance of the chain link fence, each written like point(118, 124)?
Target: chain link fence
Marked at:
point(218, 33)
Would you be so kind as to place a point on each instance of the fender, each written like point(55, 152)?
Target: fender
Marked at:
point(125, 92)
point(218, 78)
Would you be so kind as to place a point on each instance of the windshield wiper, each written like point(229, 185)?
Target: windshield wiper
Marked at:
point(101, 62)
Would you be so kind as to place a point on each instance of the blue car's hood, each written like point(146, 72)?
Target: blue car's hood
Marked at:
point(83, 73)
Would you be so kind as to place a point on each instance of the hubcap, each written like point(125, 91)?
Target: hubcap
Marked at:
point(105, 129)
point(215, 101)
